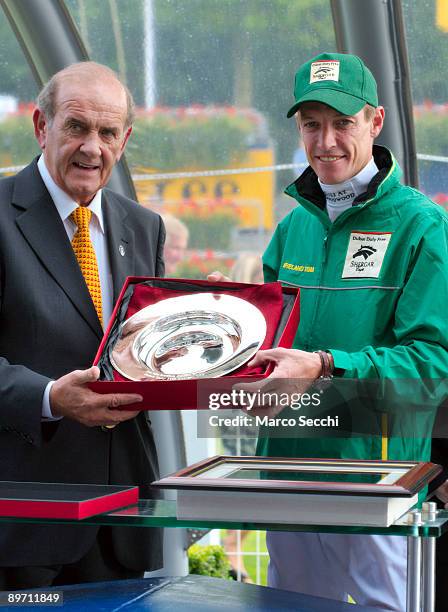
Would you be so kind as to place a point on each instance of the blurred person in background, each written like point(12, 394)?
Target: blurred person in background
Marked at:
point(176, 242)
point(248, 268)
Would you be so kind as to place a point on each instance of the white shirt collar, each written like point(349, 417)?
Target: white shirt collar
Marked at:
point(63, 202)
point(357, 183)
point(340, 196)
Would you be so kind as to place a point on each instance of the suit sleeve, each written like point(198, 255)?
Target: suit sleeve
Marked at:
point(21, 392)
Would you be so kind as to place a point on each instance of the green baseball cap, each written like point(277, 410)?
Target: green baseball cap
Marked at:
point(338, 80)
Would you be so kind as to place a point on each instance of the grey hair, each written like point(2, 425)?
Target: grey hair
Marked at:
point(46, 100)
point(175, 227)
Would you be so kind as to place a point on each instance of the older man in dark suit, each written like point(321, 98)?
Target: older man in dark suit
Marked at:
point(66, 246)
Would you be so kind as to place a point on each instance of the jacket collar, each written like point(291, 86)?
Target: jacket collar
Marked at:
point(306, 188)
point(42, 227)
point(120, 238)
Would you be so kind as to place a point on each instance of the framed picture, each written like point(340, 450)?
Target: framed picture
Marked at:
point(285, 490)
point(396, 478)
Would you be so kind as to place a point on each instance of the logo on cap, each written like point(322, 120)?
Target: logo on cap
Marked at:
point(325, 70)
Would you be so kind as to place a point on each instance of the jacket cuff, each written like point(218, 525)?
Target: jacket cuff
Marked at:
point(342, 361)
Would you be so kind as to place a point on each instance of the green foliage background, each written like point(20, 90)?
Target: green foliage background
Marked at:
point(431, 132)
point(428, 50)
point(212, 230)
point(208, 561)
point(236, 52)
point(168, 144)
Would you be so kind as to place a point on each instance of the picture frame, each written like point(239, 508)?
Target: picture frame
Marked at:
point(395, 478)
point(298, 491)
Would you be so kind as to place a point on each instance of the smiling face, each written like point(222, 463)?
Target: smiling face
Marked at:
point(337, 146)
point(87, 134)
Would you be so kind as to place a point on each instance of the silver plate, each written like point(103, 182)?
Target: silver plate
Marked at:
point(201, 335)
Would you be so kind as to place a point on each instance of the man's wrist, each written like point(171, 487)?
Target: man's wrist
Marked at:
point(47, 413)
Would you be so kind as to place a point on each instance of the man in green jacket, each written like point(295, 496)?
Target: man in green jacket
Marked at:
point(370, 257)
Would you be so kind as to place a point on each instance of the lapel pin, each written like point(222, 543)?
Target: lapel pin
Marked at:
point(121, 250)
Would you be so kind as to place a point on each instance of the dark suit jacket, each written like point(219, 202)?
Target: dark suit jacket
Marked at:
point(49, 327)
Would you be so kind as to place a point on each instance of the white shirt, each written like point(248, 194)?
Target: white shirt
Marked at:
point(65, 206)
point(341, 195)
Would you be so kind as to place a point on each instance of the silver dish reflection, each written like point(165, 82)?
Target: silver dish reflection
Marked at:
point(202, 335)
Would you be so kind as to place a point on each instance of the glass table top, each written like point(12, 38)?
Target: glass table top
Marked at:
point(162, 513)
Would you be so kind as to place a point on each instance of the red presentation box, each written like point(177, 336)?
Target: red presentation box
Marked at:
point(62, 500)
point(183, 394)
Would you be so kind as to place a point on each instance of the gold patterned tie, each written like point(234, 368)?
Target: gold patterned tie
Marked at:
point(85, 254)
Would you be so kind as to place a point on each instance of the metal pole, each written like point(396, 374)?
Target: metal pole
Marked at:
point(429, 514)
point(414, 593)
point(413, 597)
point(428, 574)
point(150, 72)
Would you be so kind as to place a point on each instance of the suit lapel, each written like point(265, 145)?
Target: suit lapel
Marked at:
point(120, 241)
point(44, 231)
